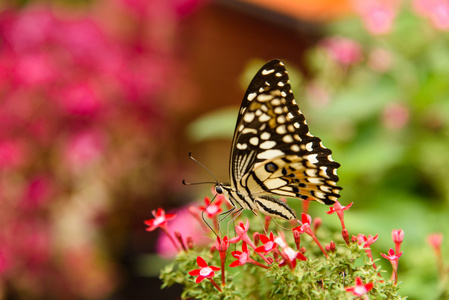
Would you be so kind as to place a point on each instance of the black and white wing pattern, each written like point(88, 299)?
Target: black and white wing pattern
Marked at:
point(273, 152)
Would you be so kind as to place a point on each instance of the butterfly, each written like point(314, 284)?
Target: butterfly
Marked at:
point(273, 152)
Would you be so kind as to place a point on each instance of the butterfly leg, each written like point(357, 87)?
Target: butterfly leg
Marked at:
point(224, 215)
point(235, 215)
point(261, 222)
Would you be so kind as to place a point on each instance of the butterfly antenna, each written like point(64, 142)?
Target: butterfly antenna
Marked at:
point(192, 158)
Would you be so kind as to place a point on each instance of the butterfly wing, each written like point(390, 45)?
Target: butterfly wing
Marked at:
point(272, 150)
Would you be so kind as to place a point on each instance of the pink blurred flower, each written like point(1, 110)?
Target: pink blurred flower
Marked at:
point(34, 69)
point(395, 116)
point(3, 263)
point(437, 11)
point(84, 148)
point(37, 192)
point(342, 50)
point(435, 240)
point(186, 7)
point(380, 60)
point(377, 15)
point(24, 31)
point(81, 99)
point(187, 226)
point(318, 94)
point(11, 154)
point(70, 84)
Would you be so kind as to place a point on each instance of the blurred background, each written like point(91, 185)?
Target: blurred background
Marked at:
point(102, 100)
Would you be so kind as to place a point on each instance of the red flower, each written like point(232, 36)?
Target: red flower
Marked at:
point(241, 256)
point(268, 244)
point(331, 247)
point(222, 244)
point(204, 271)
point(367, 241)
point(288, 254)
point(435, 241)
point(338, 207)
point(212, 209)
point(160, 219)
point(242, 235)
point(394, 260)
point(305, 227)
point(398, 237)
point(360, 289)
point(392, 256)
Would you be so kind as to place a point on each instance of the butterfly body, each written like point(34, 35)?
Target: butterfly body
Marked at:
point(273, 152)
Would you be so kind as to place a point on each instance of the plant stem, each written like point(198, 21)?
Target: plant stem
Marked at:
point(214, 284)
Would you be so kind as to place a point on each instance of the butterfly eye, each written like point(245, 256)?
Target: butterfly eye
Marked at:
point(271, 167)
point(219, 189)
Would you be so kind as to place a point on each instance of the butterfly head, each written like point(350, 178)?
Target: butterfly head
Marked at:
point(222, 189)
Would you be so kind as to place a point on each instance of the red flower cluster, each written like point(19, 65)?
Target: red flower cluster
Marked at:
point(275, 249)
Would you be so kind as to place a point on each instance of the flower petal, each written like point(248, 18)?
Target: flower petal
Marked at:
point(264, 239)
point(348, 206)
point(369, 286)
point(236, 254)
point(235, 264)
point(214, 268)
point(195, 272)
point(170, 217)
point(201, 262)
point(149, 222)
